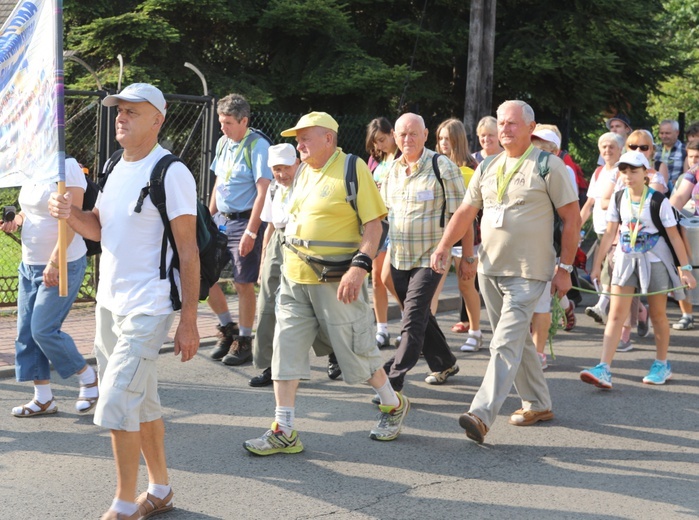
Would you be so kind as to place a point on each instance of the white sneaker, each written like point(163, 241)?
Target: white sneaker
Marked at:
point(597, 314)
point(542, 359)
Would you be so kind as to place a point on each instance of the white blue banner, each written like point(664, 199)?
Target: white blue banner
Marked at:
point(29, 141)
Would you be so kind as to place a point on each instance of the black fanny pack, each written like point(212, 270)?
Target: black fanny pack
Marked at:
point(325, 270)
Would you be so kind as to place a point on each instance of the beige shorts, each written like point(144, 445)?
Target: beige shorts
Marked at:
point(126, 348)
point(303, 309)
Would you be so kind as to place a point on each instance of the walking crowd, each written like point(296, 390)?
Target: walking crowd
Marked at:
point(310, 229)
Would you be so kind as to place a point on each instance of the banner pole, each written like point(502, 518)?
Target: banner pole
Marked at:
point(60, 128)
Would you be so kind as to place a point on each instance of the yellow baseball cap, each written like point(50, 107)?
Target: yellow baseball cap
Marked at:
point(312, 119)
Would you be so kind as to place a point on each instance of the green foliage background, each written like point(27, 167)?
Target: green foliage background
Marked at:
point(576, 62)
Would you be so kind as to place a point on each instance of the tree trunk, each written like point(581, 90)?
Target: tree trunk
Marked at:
point(479, 79)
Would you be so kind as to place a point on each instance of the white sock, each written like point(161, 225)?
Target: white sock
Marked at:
point(224, 318)
point(476, 333)
point(387, 394)
point(603, 301)
point(284, 417)
point(43, 393)
point(565, 303)
point(88, 376)
point(159, 490)
point(382, 327)
point(246, 331)
point(685, 315)
point(124, 507)
point(664, 363)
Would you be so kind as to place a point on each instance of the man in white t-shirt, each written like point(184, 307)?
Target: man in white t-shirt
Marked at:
point(134, 312)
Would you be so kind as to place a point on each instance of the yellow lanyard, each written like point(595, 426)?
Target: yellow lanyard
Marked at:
point(503, 181)
point(241, 147)
point(296, 201)
point(633, 233)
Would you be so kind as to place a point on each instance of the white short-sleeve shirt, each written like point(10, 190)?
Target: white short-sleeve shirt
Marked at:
point(130, 263)
point(39, 228)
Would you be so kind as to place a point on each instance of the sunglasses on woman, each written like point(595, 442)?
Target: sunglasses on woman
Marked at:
point(643, 147)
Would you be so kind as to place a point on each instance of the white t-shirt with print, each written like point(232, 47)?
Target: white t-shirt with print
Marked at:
point(626, 214)
point(130, 263)
point(39, 228)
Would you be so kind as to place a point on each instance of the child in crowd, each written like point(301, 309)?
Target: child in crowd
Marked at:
point(643, 260)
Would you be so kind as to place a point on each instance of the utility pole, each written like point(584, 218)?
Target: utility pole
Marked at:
point(479, 78)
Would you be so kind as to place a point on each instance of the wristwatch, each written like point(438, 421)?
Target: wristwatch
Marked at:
point(687, 267)
point(566, 267)
point(470, 259)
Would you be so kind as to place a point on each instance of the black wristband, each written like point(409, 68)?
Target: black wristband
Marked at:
point(362, 260)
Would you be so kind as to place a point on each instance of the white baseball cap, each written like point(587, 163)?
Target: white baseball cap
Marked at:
point(138, 93)
point(548, 135)
point(279, 154)
point(635, 159)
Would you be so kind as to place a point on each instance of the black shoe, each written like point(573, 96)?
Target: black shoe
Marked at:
point(264, 379)
point(226, 335)
point(333, 367)
point(240, 352)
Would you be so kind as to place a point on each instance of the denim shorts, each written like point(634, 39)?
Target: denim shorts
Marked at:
point(246, 269)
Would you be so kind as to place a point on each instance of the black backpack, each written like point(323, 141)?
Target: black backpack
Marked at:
point(89, 198)
point(352, 188)
point(212, 243)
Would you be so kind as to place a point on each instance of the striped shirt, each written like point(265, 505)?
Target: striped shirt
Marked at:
point(415, 200)
point(674, 158)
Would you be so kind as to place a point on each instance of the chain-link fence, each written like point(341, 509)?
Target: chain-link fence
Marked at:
point(351, 135)
point(190, 131)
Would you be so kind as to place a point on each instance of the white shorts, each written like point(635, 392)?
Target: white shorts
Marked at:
point(543, 306)
point(126, 348)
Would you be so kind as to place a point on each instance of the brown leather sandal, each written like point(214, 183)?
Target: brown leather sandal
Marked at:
point(44, 409)
point(149, 505)
point(92, 401)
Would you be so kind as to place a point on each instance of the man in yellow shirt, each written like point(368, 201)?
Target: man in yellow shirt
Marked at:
point(323, 230)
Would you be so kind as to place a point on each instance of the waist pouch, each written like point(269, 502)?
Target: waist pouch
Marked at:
point(325, 270)
point(644, 242)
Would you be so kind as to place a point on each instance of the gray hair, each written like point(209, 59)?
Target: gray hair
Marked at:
point(611, 137)
point(675, 125)
point(411, 115)
point(234, 105)
point(527, 111)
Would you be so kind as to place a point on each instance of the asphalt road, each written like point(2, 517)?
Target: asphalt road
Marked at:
point(632, 452)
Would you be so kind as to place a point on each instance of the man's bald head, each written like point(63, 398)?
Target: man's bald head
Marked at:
point(410, 135)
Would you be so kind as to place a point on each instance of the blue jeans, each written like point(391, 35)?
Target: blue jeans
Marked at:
point(40, 314)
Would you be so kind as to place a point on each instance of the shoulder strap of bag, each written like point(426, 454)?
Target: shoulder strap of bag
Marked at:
point(438, 175)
